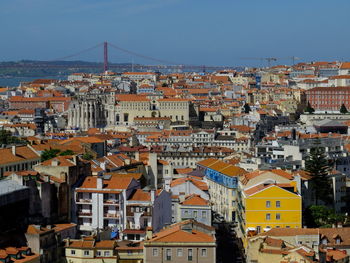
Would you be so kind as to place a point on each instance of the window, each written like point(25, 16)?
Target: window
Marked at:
point(106, 253)
point(86, 252)
point(186, 212)
point(278, 216)
point(195, 214)
point(268, 216)
point(203, 252)
point(98, 253)
point(258, 229)
point(72, 252)
point(268, 204)
point(155, 252)
point(179, 252)
point(168, 254)
point(278, 203)
point(190, 254)
point(204, 214)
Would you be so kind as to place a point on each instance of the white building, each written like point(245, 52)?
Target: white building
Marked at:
point(101, 202)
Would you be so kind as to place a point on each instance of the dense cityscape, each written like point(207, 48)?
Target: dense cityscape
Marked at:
point(223, 166)
point(174, 131)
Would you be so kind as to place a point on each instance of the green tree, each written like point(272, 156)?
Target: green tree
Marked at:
point(318, 168)
point(6, 138)
point(49, 154)
point(67, 152)
point(247, 108)
point(87, 156)
point(309, 109)
point(343, 109)
point(321, 216)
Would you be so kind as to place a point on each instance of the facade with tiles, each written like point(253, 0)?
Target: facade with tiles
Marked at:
point(222, 179)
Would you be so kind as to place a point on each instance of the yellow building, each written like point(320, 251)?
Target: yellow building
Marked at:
point(89, 250)
point(265, 206)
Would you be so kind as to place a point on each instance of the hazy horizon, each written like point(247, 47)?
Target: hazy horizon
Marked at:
point(233, 33)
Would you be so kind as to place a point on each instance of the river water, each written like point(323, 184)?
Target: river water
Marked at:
point(15, 81)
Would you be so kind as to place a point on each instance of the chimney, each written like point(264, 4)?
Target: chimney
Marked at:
point(54, 162)
point(137, 156)
point(67, 241)
point(99, 183)
point(153, 196)
point(103, 166)
point(181, 197)
point(13, 149)
point(149, 233)
point(187, 186)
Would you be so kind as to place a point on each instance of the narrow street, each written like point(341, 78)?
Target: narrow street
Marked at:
point(227, 245)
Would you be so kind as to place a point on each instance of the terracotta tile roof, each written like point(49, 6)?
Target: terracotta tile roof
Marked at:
point(23, 153)
point(274, 251)
point(248, 176)
point(345, 65)
point(116, 160)
point(175, 234)
point(196, 181)
point(163, 162)
point(241, 128)
point(140, 195)
point(62, 227)
point(22, 173)
point(172, 99)
point(333, 254)
point(183, 170)
point(126, 245)
point(255, 189)
point(136, 176)
point(81, 244)
point(37, 230)
point(108, 244)
point(11, 250)
point(63, 161)
point(90, 139)
point(331, 234)
point(222, 167)
point(195, 200)
point(272, 242)
point(131, 97)
point(134, 231)
point(114, 183)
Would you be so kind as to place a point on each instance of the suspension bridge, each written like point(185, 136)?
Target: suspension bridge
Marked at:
point(66, 62)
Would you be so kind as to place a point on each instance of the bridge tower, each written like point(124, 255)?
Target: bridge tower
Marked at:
point(105, 56)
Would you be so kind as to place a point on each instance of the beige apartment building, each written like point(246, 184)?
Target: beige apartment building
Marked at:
point(188, 241)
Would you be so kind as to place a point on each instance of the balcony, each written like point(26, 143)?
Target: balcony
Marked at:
point(84, 214)
point(84, 201)
point(129, 213)
point(110, 215)
point(85, 227)
point(111, 202)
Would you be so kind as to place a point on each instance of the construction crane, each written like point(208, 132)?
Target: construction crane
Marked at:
point(269, 60)
point(273, 59)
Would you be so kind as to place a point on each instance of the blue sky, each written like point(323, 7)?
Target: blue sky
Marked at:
point(202, 32)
